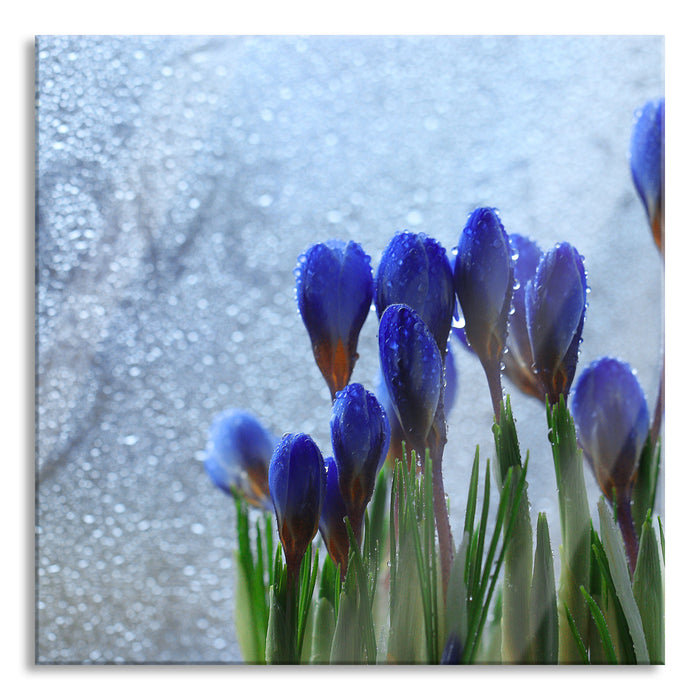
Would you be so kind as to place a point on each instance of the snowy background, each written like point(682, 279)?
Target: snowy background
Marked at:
point(178, 178)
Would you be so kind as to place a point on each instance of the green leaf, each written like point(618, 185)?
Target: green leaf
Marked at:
point(518, 556)
point(346, 647)
point(472, 495)
point(644, 494)
point(601, 627)
point(366, 621)
point(543, 600)
point(247, 629)
point(406, 643)
point(576, 635)
point(309, 574)
point(611, 539)
point(617, 621)
point(407, 636)
point(505, 521)
point(456, 605)
point(322, 634)
point(648, 590)
point(575, 528)
point(327, 582)
point(281, 638)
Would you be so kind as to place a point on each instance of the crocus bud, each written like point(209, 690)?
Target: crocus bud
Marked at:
point(412, 367)
point(555, 304)
point(518, 356)
point(334, 293)
point(332, 523)
point(484, 283)
point(415, 270)
point(360, 435)
point(238, 454)
point(648, 163)
point(612, 422)
point(297, 480)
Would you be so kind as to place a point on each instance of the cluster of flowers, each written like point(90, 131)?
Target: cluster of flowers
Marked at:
point(523, 313)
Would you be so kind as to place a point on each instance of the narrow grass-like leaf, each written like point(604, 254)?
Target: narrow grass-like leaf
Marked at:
point(432, 564)
point(251, 605)
point(518, 557)
point(611, 539)
point(346, 647)
point(619, 630)
point(575, 528)
point(306, 594)
point(472, 495)
point(506, 506)
point(576, 636)
point(423, 574)
point(247, 629)
point(457, 596)
point(322, 633)
point(326, 586)
point(601, 626)
point(484, 520)
point(644, 493)
point(648, 589)
point(543, 600)
point(365, 604)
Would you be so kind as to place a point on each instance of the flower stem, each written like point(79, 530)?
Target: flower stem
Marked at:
point(659, 411)
point(493, 377)
point(436, 443)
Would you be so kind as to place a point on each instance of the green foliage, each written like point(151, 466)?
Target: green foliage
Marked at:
point(544, 622)
point(619, 572)
point(575, 522)
point(253, 578)
point(501, 604)
point(648, 590)
point(516, 632)
point(644, 494)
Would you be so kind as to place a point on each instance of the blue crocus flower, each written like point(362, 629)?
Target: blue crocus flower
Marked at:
point(612, 423)
point(415, 270)
point(518, 356)
point(297, 481)
point(238, 454)
point(334, 294)
point(412, 367)
point(360, 435)
point(648, 163)
point(332, 523)
point(484, 283)
point(555, 304)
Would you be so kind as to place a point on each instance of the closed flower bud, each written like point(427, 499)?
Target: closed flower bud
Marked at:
point(518, 357)
point(612, 423)
point(360, 437)
point(297, 480)
point(648, 163)
point(412, 367)
point(334, 293)
point(483, 280)
point(332, 523)
point(555, 304)
point(415, 270)
point(238, 454)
